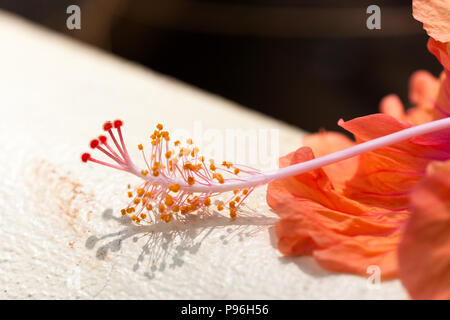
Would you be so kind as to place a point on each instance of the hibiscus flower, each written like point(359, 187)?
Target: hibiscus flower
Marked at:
point(352, 214)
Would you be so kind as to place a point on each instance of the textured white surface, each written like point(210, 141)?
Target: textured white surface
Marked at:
point(60, 231)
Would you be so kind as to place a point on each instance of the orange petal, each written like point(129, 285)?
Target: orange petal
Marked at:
point(435, 16)
point(349, 217)
point(424, 252)
point(324, 143)
point(442, 104)
point(441, 50)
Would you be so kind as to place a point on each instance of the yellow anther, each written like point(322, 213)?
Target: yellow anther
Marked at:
point(168, 154)
point(140, 147)
point(237, 199)
point(166, 217)
point(232, 213)
point(149, 207)
point(130, 194)
point(165, 135)
point(149, 194)
point(123, 212)
point(134, 218)
point(144, 172)
point(190, 181)
point(159, 126)
point(184, 209)
point(162, 208)
point(177, 143)
point(227, 164)
point(220, 207)
point(189, 141)
point(174, 187)
point(236, 171)
point(232, 204)
point(236, 191)
point(194, 151)
point(168, 201)
point(136, 201)
point(143, 215)
point(207, 201)
point(193, 200)
point(140, 192)
point(245, 191)
point(219, 177)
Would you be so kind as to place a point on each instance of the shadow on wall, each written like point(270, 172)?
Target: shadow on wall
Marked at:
point(167, 243)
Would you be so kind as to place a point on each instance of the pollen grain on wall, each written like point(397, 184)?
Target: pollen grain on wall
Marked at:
point(57, 193)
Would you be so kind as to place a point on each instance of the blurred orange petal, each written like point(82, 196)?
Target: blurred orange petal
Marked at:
point(424, 252)
point(442, 51)
point(424, 93)
point(393, 106)
point(423, 89)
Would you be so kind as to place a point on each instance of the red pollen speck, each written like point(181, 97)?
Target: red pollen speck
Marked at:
point(118, 123)
point(102, 139)
point(85, 157)
point(94, 143)
point(107, 126)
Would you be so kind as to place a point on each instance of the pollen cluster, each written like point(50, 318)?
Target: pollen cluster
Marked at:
point(172, 172)
point(172, 161)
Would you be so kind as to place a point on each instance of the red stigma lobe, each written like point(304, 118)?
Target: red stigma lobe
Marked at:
point(107, 126)
point(118, 123)
point(94, 143)
point(102, 139)
point(85, 157)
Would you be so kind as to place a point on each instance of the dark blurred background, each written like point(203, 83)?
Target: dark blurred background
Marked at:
point(305, 62)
